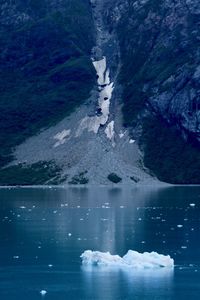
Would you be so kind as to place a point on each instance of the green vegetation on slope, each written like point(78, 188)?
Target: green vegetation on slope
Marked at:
point(45, 67)
point(38, 173)
point(79, 179)
point(171, 158)
point(160, 47)
point(152, 52)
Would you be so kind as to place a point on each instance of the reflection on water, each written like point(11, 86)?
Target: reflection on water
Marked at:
point(148, 283)
point(44, 231)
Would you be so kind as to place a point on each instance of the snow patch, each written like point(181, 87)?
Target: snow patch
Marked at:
point(104, 98)
point(100, 67)
point(131, 141)
point(107, 77)
point(92, 124)
point(109, 131)
point(132, 259)
point(89, 123)
point(61, 137)
point(122, 134)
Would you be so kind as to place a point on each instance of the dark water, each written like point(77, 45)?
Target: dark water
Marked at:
point(44, 231)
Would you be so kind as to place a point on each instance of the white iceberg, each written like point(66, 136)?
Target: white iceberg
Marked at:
point(132, 259)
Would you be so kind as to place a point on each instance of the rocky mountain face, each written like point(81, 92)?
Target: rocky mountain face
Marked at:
point(160, 74)
point(148, 54)
point(160, 51)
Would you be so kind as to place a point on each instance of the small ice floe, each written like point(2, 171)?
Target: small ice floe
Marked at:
point(131, 141)
point(16, 256)
point(43, 292)
point(179, 226)
point(69, 234)
point(132, 259)
point(192, 204)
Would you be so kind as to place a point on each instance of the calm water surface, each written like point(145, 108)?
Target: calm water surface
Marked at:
point(44, 231)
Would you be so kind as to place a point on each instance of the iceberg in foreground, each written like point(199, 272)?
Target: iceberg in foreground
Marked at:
point(132, 259)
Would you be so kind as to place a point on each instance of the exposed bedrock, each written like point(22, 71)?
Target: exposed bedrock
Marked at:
point(160, 46)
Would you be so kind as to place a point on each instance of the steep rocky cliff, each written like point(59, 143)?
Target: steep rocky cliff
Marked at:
point(160, 51)
point(160, 74)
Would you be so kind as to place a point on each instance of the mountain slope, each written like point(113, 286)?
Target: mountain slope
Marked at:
point(45, 67)
point(122, 75)
point(160, 54)
point(91, 145)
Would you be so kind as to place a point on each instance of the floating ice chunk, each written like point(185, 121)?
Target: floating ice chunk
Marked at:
point(43, 292)
point(148, 260)
point(97, 258)
point(179, 226)
point(132, 259)
point(192, 204)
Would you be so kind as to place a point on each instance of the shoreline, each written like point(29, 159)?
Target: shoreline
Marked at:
point(121, 186)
